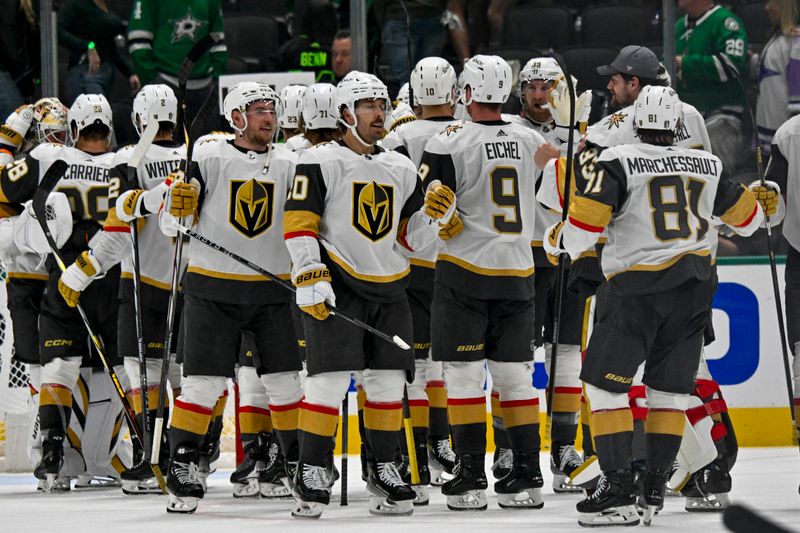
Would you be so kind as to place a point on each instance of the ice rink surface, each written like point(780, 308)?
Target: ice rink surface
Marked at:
point(765, 479)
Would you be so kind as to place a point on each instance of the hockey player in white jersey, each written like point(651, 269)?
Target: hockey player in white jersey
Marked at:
point(657, 202)
point(235, 193)
point(289, 120)
point(402, 111)
point(354, 212)
point(483, 291)
point(63, 339)
point(433, 81)
point(319, 118)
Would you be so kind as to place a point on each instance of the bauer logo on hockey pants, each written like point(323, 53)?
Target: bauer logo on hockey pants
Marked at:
point(373, 209)
point(251, 206)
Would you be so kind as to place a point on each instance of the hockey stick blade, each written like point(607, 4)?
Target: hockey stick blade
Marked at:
point(740, 519)
point(396, 340)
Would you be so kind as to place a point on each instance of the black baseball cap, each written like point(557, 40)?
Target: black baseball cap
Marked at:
point(633, 60)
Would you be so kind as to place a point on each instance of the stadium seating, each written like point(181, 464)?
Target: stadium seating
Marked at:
point(264, 8)
point(538, 27)
point(618, 25)
point(255, 40)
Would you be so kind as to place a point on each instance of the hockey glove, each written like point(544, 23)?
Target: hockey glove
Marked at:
point(77, 277)
point(452, 228)
point(440, 203)
point(314, 290)
point(558, 100)
point(553, 244)
point(13, 132)
point(772, 203)
point(183, 199)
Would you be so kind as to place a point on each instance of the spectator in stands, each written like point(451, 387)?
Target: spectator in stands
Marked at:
point(342, 54)
point(160, 34)
point(496, 13)
point(18, 55)
point(711, 47)
point(779, 71)
point(87, 28)
point(310, 51)
point(427, 34)
point(456, 19)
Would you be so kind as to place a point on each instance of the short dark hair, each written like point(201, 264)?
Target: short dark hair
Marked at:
point(656, 137)
point(165, 127)
point(342, 34)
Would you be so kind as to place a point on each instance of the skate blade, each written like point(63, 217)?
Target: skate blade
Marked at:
point(649, 512)
point(181, 505)
point(49, 483)
point(274, 491)
point(473, 500)
point(561, 485)
point(249, 489)
point(527, 499)
point(307, 510)
point(586, 475)
point(421, 495)
point(713, 503)
point(98, 483)
point(381, 506)
point(620, 516)
point(439, 477)
point(138, 488)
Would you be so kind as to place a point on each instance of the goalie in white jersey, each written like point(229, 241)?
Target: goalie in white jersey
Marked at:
point(238, 204)
point(657, 202)
point(483, 291)
point(354, 213)
point(433, 81)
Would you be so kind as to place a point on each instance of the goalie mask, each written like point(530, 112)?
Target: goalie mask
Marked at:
point(154, 102)
point(245, 93)
point(49, 123)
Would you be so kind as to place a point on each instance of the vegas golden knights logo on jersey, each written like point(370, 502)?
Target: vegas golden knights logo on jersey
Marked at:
point(373, 209)
point(251, 206)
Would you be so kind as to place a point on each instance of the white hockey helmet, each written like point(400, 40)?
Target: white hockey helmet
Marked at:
point(49, 122)
point(434, 82)
point(90, 109)
point(319, 107)
point(538, 68)
point(404, 94)
point(154, 102)
point(357, 86)
point(245, 93)
point(489, 77)
point(292, 99)
point(657, 108)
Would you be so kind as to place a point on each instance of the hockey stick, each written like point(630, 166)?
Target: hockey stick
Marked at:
point(740, 519)
point(145, 141)
point(773, 265)
point(561, 277)
point(394, 339)
point(345, 444)
point(408, 52)
point(195, 53)
point(48, 183)
point(408, 428)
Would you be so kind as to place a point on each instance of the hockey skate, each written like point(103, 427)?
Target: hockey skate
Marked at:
point(91, 482)
point(139, 479)
point(564, 460)
point(441, 460)
point(651, 501)
point(521, 488)
point(245, 478)
point(423, 496)
point(183, 483)
point(467, 490)
point(390, 495)
point(52, 460)
point(62, 484)
point(503, 461)
point(273, 480)
point(707, 490)
point(310, 491)
point(612, 502)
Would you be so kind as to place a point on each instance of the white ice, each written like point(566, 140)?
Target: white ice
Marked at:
point(765, 479)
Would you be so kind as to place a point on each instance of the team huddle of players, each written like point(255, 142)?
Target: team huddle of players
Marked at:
point(422, 225)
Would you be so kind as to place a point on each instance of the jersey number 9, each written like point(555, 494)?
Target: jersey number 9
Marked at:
point(505, 193)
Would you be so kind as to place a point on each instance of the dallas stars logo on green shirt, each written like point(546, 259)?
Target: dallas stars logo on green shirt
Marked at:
point(186, 27)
